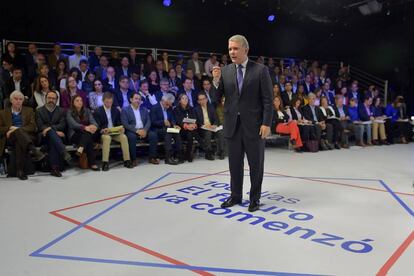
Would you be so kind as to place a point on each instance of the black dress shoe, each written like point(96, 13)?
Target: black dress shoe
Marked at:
point(230, 202)
point(21, 175)
point(95, 168)
point(337, 146)
point(55, 172)
point(128, 164)
point(171, 161)
point(254, 206)
point(105, 166)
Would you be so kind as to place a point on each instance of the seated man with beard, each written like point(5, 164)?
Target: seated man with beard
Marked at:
point(51, 122)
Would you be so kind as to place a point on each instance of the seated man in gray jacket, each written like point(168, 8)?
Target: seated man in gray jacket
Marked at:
point(136, 121)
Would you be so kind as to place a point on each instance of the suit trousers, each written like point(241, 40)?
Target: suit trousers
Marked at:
point(238, 145)
point(106, 146)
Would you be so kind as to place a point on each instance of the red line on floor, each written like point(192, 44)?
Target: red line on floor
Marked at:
point(128, 243)
point(397, 254)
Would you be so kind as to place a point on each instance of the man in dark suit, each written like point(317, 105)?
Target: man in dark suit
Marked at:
point(137, 123)
point(247, 88)
point(191, 93)
point(207, 118)
point(162, 118)
point(287, 95)
point(124, 69)
point(123, 94)
point(51, 122)
point(210, 91)
point(309, 87)
point(17, 82)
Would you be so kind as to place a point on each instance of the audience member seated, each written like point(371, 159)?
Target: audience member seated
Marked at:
point(313, 113)
point(18, 129)
point(56, 55)
point(176, 84)
point(164, 90)
point(108, 118)
point(196, 66)
point(379, 122)
point(136, 121)
point(110, 82)
point(287, 94)
point(51, 123)
point(75, 73)
point(358, 127)
point(124, 69)
point(153, 82)
point(331, 119)
point(123, 94)
point(307, 130)
point(400, 126)
point(72, 90)
point(162, 118)
point(207, 123)
point(342, 114)
point(96, 97)
point(283, 124)
point(17, 82)
point(100, 70)
point(87, 84)
point(148, 100)
point(43, 87)
point(191, 93)
point(210, 91)
point(188, 131)
point(81, 130)
point(76, 57)
point(366, 116)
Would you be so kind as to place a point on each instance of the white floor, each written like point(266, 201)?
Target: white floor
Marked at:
point(342, 212)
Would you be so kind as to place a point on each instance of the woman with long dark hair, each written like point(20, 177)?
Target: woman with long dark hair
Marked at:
point(82, 127)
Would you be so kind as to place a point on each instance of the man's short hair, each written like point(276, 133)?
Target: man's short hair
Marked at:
point(121, 78)
point(164, 80)
point(240, 39)
point(16, 94)
point(168, 98)
point(107, 95)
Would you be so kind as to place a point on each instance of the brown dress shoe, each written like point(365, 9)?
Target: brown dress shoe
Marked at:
point(154, 161)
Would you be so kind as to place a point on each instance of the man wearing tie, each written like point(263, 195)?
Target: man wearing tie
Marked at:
point(247, 118)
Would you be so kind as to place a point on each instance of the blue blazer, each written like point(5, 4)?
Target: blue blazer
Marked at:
point(128, 118)
point(362, 112)
point(157, 117)
point(102, 120)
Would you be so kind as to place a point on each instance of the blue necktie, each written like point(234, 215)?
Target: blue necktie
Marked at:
point(240, 77)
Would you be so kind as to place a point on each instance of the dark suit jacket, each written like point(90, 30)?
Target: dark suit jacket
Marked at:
point(307, 113)
point(212, 116)
point(102, 120)
point(24, 88)
point(29, 124)
point(128, 118)
point(120, 72)
point(310, 89)
point(157, 117)
point(362, 112)
point(285, 98)
point(180, 114)
point(118, 99)
point(345, 108)
point(254, 103)
point(56, 122)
